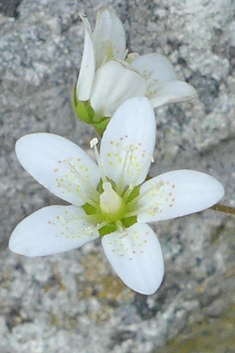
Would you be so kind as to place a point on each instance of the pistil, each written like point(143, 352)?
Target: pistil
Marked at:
point(111, 203)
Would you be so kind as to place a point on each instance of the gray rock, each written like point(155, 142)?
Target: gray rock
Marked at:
point(74, 302)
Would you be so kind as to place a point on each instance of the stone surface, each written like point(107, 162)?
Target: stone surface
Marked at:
point(74, 302)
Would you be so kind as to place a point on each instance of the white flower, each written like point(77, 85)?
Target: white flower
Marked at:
point(107, 78)
point(112, 199)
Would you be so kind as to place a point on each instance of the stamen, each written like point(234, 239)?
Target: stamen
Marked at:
point(73, 219)
point(126, 165)
point(101, 225)
point(120, 227)
point(150, 210)
point(89, 195)
point(133, 184)
point(66, 222)
point(67, 186)
point(155, 186)
point(89, 230)
point(93, 144)
point(128, 191)
point(90, 187)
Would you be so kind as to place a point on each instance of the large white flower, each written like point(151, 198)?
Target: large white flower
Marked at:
point(107, 77)
point(112, 199)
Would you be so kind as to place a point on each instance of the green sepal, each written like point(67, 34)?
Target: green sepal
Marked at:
point(101, 125)
point(127, 222)
point(112, 227)
point(135, 192)
point(90, 210)
point(85, 112)
point(109, 228)
point(83, 109)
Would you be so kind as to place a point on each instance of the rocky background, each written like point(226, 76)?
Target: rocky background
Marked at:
point(74, 302)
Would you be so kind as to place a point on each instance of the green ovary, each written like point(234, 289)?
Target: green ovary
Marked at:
point(111, 204)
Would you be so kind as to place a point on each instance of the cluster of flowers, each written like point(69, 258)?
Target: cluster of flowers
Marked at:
point(112, 199)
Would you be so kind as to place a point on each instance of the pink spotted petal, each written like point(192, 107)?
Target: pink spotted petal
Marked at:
point(177, 193)
point(59, 165)
point(128, 142)
point(136, 256)
point(52, 230)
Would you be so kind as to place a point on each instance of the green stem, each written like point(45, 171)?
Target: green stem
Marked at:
point(223, 208)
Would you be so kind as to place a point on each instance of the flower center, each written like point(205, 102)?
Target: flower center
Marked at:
point(111, 204)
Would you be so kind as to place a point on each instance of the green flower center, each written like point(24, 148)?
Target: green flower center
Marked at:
point(114, 211)
point(111, 204)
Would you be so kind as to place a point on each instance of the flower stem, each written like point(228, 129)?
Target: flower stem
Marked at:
point(223, 208)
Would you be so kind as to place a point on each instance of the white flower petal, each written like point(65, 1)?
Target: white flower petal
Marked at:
point(161, 82)
point(173, 92)
point(137, 258)
point(52, 230)
point(114, 83)
point(59, 165)
point(109, 36)
point(178, 193)
point(87, 70)
point(128, 143)
point(155, 68)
